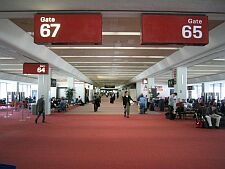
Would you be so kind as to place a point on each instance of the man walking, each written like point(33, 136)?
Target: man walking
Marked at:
point(96, 101)
point(41, 109)
point(126, 104)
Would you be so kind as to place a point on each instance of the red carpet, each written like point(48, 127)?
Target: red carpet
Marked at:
point(110, 142)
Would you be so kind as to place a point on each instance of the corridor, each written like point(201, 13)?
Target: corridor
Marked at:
point(105, 108)
point(109, 141)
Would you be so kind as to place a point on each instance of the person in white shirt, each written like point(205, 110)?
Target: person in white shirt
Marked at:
point(172, 106)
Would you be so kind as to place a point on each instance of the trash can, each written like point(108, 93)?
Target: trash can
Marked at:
point(34, 108)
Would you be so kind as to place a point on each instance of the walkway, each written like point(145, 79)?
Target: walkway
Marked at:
point(105, 108)
point(107, 141)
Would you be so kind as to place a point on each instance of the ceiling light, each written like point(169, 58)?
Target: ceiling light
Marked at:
point(122, 33)
point(5, 58)
point(11, 69)
point(113, 62)
point(10, 64)
point(195, 73)
point(154, 57)
point(204, 70)
point(209, 65)
point(112, 47)
point(219, 59)
point(114, 70)
point(113, 66)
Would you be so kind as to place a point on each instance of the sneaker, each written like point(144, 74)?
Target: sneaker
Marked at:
point(217, 127)
point(127, 116)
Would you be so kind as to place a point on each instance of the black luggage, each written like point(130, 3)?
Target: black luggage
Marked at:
point(111, 100)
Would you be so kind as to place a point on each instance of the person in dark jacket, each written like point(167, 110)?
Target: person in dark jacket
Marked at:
point(96, 101)
point(126, 104)
point(41, 109)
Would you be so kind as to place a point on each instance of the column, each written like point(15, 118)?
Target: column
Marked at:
point(17, 87)
point(44, 82)
point(91, 92)
point(17, 90)
point(203, 89)
point(138, 88)
point(181, 83)
point(70, 82)
point(70, 85)
point(80, 90)
point(151, 82)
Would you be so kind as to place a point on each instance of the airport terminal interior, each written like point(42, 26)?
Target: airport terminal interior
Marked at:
point(122, 84)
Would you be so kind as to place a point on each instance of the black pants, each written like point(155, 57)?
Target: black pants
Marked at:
point(96, 105)
point(43, 116)
point(172, 116)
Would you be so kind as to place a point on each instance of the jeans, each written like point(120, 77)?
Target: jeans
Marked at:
point(215, 116)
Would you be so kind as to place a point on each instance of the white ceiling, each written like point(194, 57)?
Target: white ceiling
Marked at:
point(120, 57)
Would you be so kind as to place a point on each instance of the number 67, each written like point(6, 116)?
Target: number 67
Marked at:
point(46, 32)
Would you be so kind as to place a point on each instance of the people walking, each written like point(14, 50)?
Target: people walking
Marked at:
point(142, 102)
point(41, 109)
point(126, 104)
point(96, 102)
point(112, 98)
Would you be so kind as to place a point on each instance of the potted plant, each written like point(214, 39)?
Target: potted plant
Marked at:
point(69, 95)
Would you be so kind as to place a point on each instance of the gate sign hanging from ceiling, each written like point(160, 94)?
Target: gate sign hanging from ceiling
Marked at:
point(174, 29)
point(35, 68)
point(68, 28)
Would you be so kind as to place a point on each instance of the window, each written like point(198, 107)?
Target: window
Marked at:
point(3, 90)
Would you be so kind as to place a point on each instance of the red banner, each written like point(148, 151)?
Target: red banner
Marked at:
point(35, 68)
point(174, 29)
point(68, 28)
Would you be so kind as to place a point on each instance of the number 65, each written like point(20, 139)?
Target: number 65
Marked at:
point(187, 32)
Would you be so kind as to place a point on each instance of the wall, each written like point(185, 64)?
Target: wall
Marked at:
point(133, 94)
point(138, 88)
point(53, 92)
point(165, 91)
point(80, 90)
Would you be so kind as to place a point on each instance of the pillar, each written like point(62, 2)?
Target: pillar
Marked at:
point(80, 90)
point(181, 83)
point(203, 89)
point(70, 82)
point(70, 85)
point(138, 88)
point(44, 82)
point(151, 82)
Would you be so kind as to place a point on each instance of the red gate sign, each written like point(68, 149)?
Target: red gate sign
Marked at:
point(68, 28)
point(174, 29)
point(35, 68)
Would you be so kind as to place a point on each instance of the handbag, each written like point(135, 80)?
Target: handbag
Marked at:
point(131, 102)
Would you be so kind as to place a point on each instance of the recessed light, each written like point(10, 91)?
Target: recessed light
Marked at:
point(112, 47)
point(219, 59)
point(209, 65)
point(6, 58)
point(75, 63)
point(142, 57)
point(121, 33)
